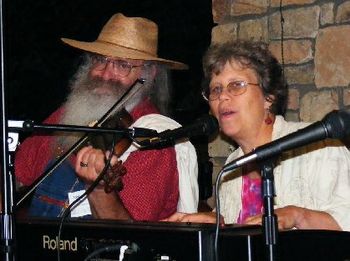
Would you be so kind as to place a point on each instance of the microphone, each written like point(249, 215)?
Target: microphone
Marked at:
point(335, 125)
point(203, 126)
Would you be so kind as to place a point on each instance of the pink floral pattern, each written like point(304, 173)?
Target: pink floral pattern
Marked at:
point(252, 203)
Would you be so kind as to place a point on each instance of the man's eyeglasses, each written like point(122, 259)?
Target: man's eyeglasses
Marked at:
point(120, 67)
point(234, 88)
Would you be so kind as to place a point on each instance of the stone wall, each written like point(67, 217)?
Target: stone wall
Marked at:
point(316, 51)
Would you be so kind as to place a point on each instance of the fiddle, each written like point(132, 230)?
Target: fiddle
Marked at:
point(112, 177)
point(135, 87)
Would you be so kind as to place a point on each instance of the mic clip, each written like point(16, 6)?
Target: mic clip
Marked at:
point(136, 132)
point(156, 143)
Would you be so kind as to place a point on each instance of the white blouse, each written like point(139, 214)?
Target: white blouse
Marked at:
point(316, 176)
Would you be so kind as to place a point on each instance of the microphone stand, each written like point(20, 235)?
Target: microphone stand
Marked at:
point(7, 184)
point(269, 219)
point(129, 93)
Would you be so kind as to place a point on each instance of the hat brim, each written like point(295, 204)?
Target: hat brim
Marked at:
point(113, 50)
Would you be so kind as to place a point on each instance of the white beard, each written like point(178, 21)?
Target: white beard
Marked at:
point(86, 107)
point(83, 106)
point(89, 100)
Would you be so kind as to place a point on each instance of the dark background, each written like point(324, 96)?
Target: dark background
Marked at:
point(39, 65)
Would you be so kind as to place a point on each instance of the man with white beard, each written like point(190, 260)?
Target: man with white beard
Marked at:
point(157, 183)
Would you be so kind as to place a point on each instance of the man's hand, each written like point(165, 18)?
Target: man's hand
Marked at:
point(90, 163)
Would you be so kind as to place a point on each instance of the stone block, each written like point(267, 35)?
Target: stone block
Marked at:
point(315, 105)
point(294, 51)
point(332, 62)
point(224, 33)
point(343, 12)
point(220, 147)
point(293, 99)
point(244, 7)
point(255, 30)
point(301, 74)
point(220, 10)
point(292, 116)
point(327, 14)
point(299, 23)
point(346, 97)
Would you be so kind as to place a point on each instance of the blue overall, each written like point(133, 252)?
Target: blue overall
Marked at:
point(52, 194)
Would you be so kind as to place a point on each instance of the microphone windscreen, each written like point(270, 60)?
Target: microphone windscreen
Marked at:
point(337, 124)
point(209, 125)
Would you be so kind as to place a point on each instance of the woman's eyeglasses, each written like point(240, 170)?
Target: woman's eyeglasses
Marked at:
point(234, 88)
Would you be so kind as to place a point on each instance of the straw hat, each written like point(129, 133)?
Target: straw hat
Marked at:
point(129, 38)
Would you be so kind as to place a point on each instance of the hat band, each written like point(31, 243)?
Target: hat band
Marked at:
point(137, 50)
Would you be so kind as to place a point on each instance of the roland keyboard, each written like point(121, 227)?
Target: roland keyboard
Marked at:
point(37, 240)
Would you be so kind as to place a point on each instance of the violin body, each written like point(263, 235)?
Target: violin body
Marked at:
point(112, 177)
point(120, 120)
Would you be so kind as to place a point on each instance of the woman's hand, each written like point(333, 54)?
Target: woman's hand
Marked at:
point(287, 218)
point(201, 217)
point(296, 217)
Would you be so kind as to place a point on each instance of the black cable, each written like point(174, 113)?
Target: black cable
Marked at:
point(217, 223)
point(282, 38)
point(103, 250)
point(131, 248)
point(100, 177)
point(85, 194)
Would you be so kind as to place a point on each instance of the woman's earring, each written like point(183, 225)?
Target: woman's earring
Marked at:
point(268, 119)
